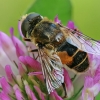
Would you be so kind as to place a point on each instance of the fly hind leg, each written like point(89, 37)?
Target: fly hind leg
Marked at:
point(65, 92)
point(74, 77)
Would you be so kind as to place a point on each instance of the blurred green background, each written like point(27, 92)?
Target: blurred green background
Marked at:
point(85, 14)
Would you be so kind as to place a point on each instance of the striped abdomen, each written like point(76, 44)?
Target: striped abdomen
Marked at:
point(73, 57)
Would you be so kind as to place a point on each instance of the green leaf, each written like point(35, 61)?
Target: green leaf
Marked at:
point(51, 8)
point(97, 97)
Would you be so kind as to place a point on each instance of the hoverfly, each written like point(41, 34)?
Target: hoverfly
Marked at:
point(58, 45)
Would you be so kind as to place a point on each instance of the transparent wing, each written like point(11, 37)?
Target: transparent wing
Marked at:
point(83, 42)
point(52, 71)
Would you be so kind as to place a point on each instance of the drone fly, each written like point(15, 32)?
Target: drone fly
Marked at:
point(57, 46)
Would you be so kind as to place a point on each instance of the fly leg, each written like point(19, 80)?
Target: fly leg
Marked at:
point(29, 49)
point(27, 39)
point(33, 51)
point(74, 77)
point(64, 87)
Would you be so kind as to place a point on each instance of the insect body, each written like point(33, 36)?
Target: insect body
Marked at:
point(73, 57)
point(49, 34)
point(69, 47)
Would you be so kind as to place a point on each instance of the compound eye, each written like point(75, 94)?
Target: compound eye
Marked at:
point(25, 27)
point(29, 23)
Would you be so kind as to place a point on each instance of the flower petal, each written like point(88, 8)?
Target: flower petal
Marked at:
point(68, 83)
point(97, 75)
point(4, 60)
point(88, 96)
point(41, 95)
point(91, 88)
point(5, 86)
point(38, 74)
point(19, 43)
point(4, 96)
point(22, 59)
point(19, 51)
point(33, 63)
point(57, 20)
point(18, 93)
point(35, 73)
point(95, 89)
point(30, 93)
point(57, 97)
point(2, 71)
point(19, 81)
point(88, 82)
point(22, 71)
point(9, 74)
point(8, 47)
point(94, 63)
point(71, 25)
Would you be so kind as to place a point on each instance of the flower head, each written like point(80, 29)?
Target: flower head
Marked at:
point(24, 78)
point(24, 75)
point(91, 86)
